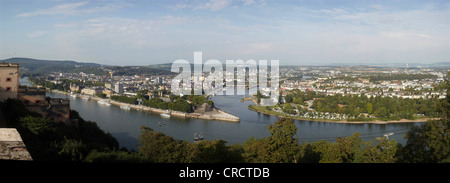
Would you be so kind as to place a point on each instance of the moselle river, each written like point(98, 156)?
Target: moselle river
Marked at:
point(125, 125)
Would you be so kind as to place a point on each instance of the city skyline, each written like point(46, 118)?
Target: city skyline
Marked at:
point(296, 33)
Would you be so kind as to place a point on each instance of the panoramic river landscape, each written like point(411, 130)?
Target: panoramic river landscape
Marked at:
point(125, 125)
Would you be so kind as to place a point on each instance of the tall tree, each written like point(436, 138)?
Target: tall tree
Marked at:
point(283, 142)
point(369, 108)
point(157, 147)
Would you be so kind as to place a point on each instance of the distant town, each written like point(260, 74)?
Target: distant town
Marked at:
point(329, 80)
point(365, 80)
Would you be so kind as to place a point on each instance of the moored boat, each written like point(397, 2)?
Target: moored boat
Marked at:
point(125, 107)
point(104, 102)
point(165, 115)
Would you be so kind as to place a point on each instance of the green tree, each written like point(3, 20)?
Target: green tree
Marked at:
point(298, 100)
point(37, 125)
point(71, 149)
point(369, 108)
point(215, 152)
point(288, 98)
point(255, 151)
point(283, 142)
point(428, 143)
point(114, 156)
point(381, 112)
point(157, 147)
point(353, 149)
point(385, 151)
point(101, 95)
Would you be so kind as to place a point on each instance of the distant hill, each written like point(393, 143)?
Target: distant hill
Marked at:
point(167, 66)
point(441, 64)
point(402, 65)
point(138, 70)
point(36, 66)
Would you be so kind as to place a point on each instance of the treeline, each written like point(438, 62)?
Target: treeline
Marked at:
point(384, 108)
point(299, 97)
point(35, 67)
point(63, 84)
point(138, 70)
point(41, 67)
point(124, 99)
point(176, 103)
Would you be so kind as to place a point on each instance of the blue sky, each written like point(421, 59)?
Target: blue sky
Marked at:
point(303, 32)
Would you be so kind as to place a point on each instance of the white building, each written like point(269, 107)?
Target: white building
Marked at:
point(118, 88)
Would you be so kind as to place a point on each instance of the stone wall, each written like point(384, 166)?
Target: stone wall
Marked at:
point(9, 80)
point(12, 146)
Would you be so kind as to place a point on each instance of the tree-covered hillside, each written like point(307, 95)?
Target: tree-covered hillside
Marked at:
point(34, 66)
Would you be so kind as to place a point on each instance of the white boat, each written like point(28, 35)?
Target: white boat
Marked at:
point(73, 95)
point(86, 98)
point(198, 137)
point(165, 115)
point(104, 102)
point(125, 107)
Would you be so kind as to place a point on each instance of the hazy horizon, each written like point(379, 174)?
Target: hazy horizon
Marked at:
point(223, 62)
point(296, 33)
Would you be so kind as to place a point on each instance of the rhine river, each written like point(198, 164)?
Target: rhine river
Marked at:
point(125, 125)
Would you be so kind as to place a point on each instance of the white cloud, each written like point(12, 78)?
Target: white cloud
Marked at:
point(116, 31)
point(181, 6)
point(248, 2)
point(65, 25)
point(334, 11)
point(68, 8)
point(253, 2)
point(214, 5)
point(406, 35)
point(73, 9)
